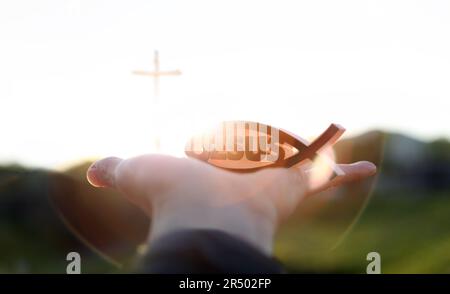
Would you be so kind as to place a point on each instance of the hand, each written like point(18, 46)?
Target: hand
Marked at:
point(183, 193)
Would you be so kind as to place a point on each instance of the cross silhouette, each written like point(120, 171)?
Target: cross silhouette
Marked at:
point(156, 74)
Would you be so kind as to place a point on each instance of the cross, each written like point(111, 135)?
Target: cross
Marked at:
point(156, 74)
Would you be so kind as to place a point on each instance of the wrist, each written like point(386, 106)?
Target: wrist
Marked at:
point(235, 219)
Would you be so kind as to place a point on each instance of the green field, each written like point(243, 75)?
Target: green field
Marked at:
point(411, 235)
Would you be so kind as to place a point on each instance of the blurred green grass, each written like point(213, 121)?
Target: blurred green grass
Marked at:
point(411, 235)
point(30, 253)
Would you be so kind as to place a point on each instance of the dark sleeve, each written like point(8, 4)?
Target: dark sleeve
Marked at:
point(205, 251)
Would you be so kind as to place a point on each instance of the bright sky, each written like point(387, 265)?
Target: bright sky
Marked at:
point(67, 92)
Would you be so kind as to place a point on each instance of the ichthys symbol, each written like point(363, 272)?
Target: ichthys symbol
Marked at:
point(245, 146)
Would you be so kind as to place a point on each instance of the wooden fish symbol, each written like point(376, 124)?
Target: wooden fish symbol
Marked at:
point(244, 146)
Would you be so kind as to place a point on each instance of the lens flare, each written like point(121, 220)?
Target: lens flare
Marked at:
point(321, 170)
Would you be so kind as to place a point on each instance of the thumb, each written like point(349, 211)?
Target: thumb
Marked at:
point(288, 186)
point(352, 172)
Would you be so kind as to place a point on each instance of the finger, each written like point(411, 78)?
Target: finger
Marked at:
point(145, 173)
point(139, 179)
point(102, 173)
point(352, 172)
